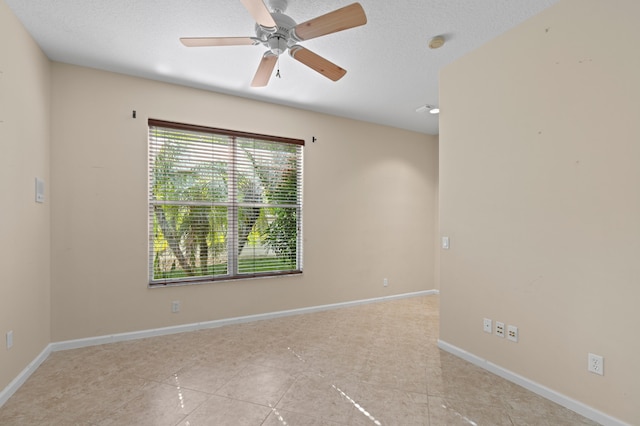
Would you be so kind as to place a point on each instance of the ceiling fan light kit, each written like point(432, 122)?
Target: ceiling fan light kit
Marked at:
point(279, 32)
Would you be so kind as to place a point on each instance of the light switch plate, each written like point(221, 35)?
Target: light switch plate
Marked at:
point(39, 190)
point(9, 339)
point(445, 243)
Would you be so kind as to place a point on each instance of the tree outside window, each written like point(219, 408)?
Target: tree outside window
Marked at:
point(222, 204)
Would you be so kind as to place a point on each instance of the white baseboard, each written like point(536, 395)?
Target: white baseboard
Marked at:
point(121, 337)
point(543, 391)
point(15, 384)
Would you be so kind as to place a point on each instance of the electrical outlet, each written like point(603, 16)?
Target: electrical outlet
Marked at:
point(9, 339)
point(596, 364)
point(385, 282)
point(512, 333)
point(487, 325)
point(175, 306)
point(499, 329)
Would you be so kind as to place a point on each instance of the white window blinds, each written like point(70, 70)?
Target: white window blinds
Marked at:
point(222, 204)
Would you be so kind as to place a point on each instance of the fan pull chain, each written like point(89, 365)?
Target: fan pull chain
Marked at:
point(278, 65)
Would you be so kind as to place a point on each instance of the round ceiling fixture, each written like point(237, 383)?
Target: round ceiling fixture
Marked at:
point(432, 109)
point(436, 42)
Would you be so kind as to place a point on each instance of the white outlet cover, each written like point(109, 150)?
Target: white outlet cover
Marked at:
point(39, 190)
point(500, 329)
point(595, 364)
point(445, 243)
point(487, 325)
point(512, 333)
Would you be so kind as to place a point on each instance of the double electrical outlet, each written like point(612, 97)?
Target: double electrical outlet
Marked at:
point(510, 331)
point(595, 364)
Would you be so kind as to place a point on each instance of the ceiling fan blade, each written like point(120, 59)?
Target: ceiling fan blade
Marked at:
point(217, 41)
point(332, 22)
point(263, 74)
point(317, 63)
point(260, 13)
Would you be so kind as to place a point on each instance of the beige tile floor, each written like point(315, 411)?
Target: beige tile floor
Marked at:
point(375, 364)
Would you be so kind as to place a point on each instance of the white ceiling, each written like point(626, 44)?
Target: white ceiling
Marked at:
point(390, 69)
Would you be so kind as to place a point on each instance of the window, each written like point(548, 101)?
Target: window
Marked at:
point(222, 204)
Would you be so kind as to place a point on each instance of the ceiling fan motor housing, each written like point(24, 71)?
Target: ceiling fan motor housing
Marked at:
point(280, 40)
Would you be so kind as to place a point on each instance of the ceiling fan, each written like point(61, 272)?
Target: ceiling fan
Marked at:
point(279, 33)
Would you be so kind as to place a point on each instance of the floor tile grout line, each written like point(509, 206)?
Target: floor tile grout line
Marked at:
point(320, 360)
point(274, 408)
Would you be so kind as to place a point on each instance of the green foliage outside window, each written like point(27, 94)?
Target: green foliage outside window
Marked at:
point(222, 206)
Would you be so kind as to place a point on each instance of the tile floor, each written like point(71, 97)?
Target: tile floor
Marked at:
point(375, 364)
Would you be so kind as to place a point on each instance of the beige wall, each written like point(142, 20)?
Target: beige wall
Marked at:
point(76, 266)
point(24, 225)
point(369, 207)
point(539, 175)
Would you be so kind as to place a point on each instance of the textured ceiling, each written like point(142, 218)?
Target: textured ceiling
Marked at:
point(390, 69)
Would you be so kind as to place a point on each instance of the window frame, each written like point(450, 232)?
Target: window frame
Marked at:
point(233, 204)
